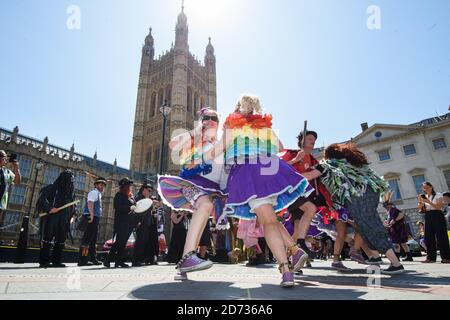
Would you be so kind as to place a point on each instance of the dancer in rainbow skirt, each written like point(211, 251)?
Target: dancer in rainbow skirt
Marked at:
point(260, 184)
point(197, 189)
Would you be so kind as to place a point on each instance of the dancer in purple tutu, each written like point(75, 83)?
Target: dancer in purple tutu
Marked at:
point(197, 189)
point(260, 184)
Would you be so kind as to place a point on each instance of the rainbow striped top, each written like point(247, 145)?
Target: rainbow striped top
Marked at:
point(251, 137)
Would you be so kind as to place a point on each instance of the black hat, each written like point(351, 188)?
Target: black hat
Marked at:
point(124, 182)
point(145, 185)
point(310, 132)
point(100, 180)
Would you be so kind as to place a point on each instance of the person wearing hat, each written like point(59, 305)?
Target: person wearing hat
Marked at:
point(124, 206)
point(143, 224)
point(92, 213)
point(7, 178)
point(304, 208)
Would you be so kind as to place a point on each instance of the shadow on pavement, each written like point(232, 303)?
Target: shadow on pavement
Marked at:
point(410, 280)
point(212, 290)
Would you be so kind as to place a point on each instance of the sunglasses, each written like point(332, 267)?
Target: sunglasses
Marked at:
point(212, 118)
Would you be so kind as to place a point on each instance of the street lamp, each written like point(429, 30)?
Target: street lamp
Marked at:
point(165, 110)
point(23, 236)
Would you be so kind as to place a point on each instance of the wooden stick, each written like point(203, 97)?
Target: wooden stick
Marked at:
point(61, 208)
point(305, 126)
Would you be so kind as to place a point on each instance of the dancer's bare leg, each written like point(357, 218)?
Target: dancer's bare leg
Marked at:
point(287, 239)
point(405, 247)
point(204, 207)
point(341, 229)
point(309, 210)
point(390, 254)
point(296, 233)
point(266, 216)
point(359, 244)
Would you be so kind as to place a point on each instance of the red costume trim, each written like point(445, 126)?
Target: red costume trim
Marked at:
point(255, 121)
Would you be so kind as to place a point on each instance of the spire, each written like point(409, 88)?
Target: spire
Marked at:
point(181, 30)
point(210, 59)
point(148, 49)
point(209, 47)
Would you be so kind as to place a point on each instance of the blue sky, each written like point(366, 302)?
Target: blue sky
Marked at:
point(306, 59)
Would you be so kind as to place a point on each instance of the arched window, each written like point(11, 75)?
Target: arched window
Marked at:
point(196, 108)
point(169, 94)
point(160, 100)
point(149, 157)
point(202, 102)
point(189, 99)
point(153, 105)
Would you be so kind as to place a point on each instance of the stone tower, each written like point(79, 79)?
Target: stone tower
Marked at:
point(178, 77)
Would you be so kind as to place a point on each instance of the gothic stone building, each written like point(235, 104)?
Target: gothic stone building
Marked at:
point(55, 159)
point(179, 79)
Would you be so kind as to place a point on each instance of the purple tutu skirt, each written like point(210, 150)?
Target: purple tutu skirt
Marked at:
point(266, 178)
point(329, 228)
point(177, 192)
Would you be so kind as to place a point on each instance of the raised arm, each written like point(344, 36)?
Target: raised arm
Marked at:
point(277, 141)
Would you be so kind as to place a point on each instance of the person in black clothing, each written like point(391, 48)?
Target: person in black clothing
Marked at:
point(124, 206)
point(178, 238)
point(152, 252)
point(431, 204)
point(55, 225)
point(143, 225)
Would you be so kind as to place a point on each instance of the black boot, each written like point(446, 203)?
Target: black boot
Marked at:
point(57, 256)
point(107, 261)
point(121, 264)
point(44, 254)
point(95, 262)
point(82, 257)
point(408, 257)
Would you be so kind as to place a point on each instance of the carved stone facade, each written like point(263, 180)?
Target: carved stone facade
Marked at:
point(56, 159)
point(181, 80)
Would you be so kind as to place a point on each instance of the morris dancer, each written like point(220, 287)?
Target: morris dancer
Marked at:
point(260, 184)
point(55, 225)
point(347, 176)
point(197, 189)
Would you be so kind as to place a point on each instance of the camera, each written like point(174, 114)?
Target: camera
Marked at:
point(13, 158)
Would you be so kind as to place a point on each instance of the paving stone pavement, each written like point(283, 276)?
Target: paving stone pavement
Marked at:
point(222, 282)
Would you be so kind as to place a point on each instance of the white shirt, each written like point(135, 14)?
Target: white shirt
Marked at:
point(433, 199)
point(94, 196)
point(217, 174)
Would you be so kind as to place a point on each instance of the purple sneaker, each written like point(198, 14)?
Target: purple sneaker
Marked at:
point(287, 280)
point(356, 256)
point(299, 259)
point(191, 262)
point(339, 266)
point(181, 276)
